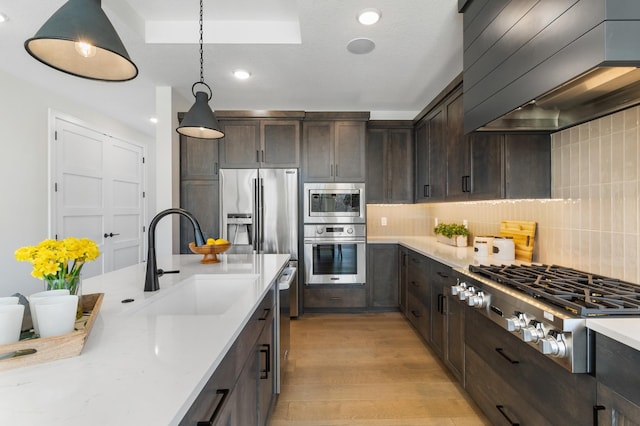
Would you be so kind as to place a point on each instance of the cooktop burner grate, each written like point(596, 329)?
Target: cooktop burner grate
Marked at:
point(578, 292)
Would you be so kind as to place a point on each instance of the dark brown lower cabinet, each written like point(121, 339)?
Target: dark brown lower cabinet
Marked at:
point(618, 383)
point(513, 382)
point(440, 280)
point(335, 297)
point(403, 267)
point(241, 391)
point(266, 372)
point(419, 294)
point(382, 276)
point(455, 334)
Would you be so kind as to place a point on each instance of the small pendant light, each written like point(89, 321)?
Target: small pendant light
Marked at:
point(79, 39)
point(199, 121)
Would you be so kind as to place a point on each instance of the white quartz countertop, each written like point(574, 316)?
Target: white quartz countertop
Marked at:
point(624, 330)
point(137, 369)
point(456, 257)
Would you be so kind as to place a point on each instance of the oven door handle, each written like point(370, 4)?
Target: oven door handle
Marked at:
point(328, 241)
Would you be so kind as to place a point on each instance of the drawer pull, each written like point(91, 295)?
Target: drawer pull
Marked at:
point(416, 314)
point(265, 314)
point(505, 356)
point(442, 274)
point(217, 410)
point(501, 409)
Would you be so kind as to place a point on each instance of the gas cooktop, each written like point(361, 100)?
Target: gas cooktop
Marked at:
point(581, 293)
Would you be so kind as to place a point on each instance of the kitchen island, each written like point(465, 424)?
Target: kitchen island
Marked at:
point(137, 366)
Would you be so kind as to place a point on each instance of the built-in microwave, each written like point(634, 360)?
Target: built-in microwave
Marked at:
point(334, 203)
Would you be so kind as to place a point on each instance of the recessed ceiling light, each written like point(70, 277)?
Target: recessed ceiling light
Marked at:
point(369, 16)
point(3, 18)
point(241, 74)
point(360, 46)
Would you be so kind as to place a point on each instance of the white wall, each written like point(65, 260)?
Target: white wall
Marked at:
point(167, 168)
point(24, 111)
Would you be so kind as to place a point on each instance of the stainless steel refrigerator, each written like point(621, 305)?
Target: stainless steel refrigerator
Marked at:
point(259, 213)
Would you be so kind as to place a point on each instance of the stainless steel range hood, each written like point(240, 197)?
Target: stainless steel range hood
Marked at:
point(596, 93)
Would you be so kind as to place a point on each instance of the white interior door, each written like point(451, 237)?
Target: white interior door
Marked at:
point(98, 194)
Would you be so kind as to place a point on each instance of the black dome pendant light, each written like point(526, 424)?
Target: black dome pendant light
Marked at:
point(199, 121)
point(78, 39)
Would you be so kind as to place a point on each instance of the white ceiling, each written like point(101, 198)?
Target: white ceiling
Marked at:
point(295, 50)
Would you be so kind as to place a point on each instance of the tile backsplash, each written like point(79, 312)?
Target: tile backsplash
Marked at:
point(590, 223)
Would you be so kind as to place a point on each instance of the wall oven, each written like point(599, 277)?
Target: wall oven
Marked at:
point(335, 253)
point(334, 203)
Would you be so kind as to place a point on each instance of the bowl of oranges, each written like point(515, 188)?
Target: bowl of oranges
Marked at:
point(211, 249)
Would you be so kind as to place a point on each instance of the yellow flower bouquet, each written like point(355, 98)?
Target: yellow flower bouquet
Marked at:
point(59, 263)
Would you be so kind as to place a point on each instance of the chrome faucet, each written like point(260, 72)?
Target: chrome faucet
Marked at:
point(151, 280)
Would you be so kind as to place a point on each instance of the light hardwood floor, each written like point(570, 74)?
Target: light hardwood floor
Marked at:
point(367, 369)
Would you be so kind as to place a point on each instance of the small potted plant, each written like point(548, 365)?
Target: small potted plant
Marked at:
point(453, 234)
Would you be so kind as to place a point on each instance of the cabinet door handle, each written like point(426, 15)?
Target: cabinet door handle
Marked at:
point(426, 191)
point(216, 168)
point(466, 183)
point(596, 410)
point(257, 155)
point(262, 155)
point(505, 356)
point(265, 314)
point(416, 314)
point(217, 410)
point(266, 350)
point(331, 171)
point(336, 170)
point(111, 234)
point(442, 275)
point(504, 414)
point(441, 304)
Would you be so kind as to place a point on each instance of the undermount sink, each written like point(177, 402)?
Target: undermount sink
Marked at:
point(198, 295)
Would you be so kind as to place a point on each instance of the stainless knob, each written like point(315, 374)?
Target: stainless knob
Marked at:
point(319, 230)
point(554, 345)
point(459, 287)
point(533, 332)
point(516, 322)
point(478, 300)
point(463, 295)
point(349, 230)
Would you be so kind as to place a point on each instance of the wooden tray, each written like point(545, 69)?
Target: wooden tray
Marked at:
point(523, 234)
point(39, 350)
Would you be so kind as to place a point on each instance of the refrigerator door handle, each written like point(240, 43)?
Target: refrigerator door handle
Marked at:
point(261, 216)
point(256, 201)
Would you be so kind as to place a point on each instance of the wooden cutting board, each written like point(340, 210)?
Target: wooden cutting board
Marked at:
point(523, 234)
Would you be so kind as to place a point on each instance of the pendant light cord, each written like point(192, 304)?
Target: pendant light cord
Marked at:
point(210, 94)
point(201, 50)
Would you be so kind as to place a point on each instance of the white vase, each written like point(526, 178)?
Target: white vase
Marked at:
point(54, 315)
point(10, 323)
